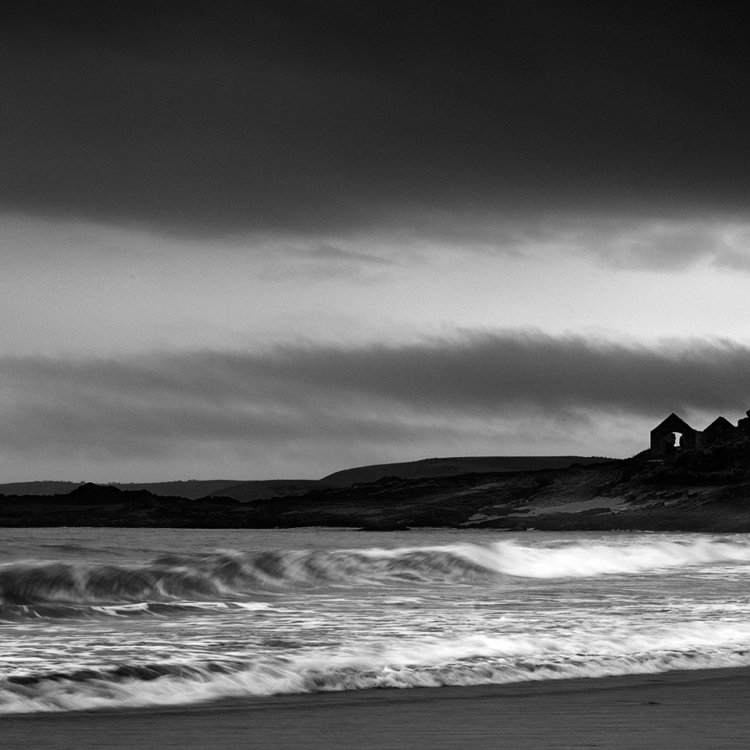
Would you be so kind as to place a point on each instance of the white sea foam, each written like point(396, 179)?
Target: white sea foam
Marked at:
point(586, 559)
point(474, 660)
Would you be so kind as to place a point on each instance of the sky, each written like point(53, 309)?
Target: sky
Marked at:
point(279, 239)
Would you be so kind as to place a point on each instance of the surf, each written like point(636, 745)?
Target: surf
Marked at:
point(227, 575)
point(397, 664)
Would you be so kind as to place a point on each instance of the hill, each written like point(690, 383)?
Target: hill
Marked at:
point(701, 490)
point(190, 489)
point(446, 467)
point(257, 490)
point(246, 491)
point(38, 488)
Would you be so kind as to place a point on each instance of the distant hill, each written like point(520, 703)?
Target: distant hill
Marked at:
point(38, 488)
point(448, 467)
point(246, 491)
point(191, 489)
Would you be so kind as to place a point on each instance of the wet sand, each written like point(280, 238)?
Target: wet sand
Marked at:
point(680, 710)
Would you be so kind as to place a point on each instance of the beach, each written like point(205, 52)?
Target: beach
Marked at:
point(696, 709)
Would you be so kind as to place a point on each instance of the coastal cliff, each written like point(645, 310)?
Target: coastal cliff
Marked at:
point(701, 490)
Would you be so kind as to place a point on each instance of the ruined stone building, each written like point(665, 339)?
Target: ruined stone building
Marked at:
point(674, 434)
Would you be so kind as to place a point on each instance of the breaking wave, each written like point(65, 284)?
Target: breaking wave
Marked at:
point(65, 589)
point(473, 660)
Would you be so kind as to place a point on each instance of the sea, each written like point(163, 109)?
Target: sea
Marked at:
point(123, 618)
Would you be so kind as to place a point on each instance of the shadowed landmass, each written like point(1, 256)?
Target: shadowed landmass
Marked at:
point(699, 490)
point(259, 490)
point(193, 489)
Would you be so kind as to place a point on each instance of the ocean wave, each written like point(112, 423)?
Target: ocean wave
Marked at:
point(478, 660)
point(227, 575)
point(221, 575)
point(584, 560)
point(20, 612)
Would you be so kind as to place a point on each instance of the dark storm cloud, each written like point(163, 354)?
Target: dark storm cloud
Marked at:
point(152, 404)
point(226, 116)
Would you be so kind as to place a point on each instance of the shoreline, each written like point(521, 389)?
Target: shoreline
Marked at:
point(698, 710)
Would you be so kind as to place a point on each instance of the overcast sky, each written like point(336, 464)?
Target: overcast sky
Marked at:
point(259, 240)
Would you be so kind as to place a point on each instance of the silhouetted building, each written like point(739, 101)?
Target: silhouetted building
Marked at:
point(672, 435)
point(721, 430)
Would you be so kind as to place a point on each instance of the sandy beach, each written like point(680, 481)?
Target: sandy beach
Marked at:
point(701, 710)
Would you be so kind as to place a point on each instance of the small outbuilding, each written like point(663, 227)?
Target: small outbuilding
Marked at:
point(721, 430)
point(672, 435)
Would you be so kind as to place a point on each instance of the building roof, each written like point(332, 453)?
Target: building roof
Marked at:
point(673, 423)
point(720, 424)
